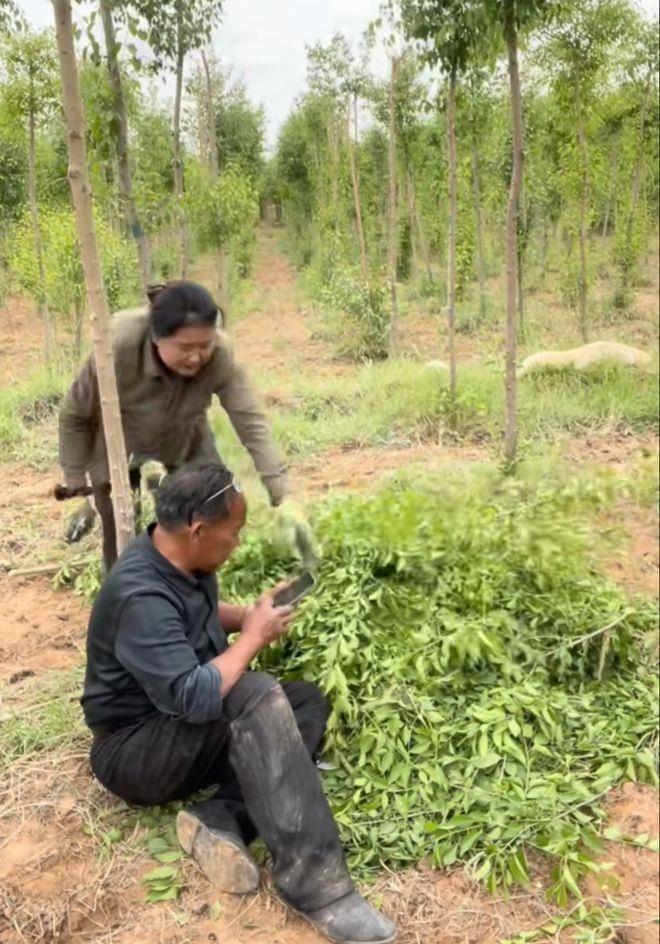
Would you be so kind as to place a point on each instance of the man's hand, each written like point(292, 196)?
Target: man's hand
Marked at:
point(261, 625)
point(296, 532)
point(264, 622)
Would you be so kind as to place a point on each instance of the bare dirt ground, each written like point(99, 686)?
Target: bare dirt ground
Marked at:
point(58, 882)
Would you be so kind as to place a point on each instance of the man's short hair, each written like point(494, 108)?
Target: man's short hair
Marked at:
point(181, 305)
point(198, 490)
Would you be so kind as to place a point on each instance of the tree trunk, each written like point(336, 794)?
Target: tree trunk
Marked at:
point(583, 210)
point(417, 220)
point(521, 246)
point(521, 295)
point(511, 417)
point(453, 219)
point(334, 168)
point(214, 159)
point(611, 196)
point(178, 160)
point(214, 166)
point(77, 329)
point(42, 300)
point(392, 214)
point(639, 163)
point(223, 286)
point(407, 185)
point(479, 226)
point(124, 167)
point(100, 326)
point(355, 180)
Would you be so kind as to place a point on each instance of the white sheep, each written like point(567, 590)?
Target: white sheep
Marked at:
point(439, 366)
point(585, 356)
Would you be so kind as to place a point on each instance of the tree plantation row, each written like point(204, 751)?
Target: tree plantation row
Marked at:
point(459, 142)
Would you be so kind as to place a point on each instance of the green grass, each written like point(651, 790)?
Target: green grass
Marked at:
point(400, 402)
point(48, 716)
point(26, 409)
point(394, 403)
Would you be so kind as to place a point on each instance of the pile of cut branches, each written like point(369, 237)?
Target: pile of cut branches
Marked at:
point(488, 686)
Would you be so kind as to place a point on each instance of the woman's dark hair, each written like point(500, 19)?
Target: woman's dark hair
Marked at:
point(180, 305)
point(198, 490)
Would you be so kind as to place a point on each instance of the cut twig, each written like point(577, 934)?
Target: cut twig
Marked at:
point(46, 569)
point(598, 632)
point(33, 571)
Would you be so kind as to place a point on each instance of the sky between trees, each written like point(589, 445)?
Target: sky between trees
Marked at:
point(265, 43)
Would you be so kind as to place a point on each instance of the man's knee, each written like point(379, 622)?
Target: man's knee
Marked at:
point(307, 697)
point(253, 689)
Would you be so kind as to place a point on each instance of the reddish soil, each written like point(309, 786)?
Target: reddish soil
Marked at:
point(276, 337)
point(22, 349)
point(57, 883)
point(361, 469)
point(634, 810)
point(22, 339)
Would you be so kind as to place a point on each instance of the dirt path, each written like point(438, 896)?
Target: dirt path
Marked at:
point(276, 338)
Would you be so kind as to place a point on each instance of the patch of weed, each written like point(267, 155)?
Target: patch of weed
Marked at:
point(48, 717)
point(405, 402)
point(25, 407)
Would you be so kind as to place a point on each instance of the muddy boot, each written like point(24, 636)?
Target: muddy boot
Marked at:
point(352, 920)
point(220, 854)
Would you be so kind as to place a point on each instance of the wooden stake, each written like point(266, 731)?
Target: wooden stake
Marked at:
point(98, 305)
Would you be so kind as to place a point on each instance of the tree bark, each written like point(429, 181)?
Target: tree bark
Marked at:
point(453, 219)
point(583, 210)
point(521, 294)
point(392, 214)
point(100, 316)
point(417, 220)
point(124, 167)
point(611, 196)
point(334, 168)
point(42, 300)
point(511, 416)
point(214, 167)
point(77, 329)
point(639, 163)
point(178, 160)
point(214, 159)
point(407, 185)
point(355, 180)
point(479, 226)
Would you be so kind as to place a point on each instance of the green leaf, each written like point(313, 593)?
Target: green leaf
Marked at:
point(162, 873)
point(612, 833)
point(171, 855)
point(157, 844)
point(517, 865)
point(488, 760)
point(166, 894)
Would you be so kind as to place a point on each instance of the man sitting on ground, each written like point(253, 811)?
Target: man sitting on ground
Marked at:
point(174, 709)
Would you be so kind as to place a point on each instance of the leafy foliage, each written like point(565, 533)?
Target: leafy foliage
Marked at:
point(50, 719)
point(476, 664)
point(64, 280)
point(224, 211)
point(363, 315)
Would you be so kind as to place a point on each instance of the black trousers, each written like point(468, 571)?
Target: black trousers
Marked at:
point(259, 753)
point(103, 504)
